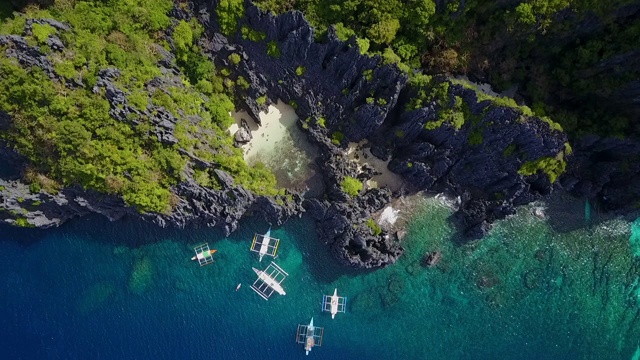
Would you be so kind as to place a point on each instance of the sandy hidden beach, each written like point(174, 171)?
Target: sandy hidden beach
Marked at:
point(277, 122)
point(278, 144)
point(360, 153)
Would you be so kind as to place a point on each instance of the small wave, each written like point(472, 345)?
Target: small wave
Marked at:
point(389, 215)
point(539, 212)
point(450, 202)
point(615, 227)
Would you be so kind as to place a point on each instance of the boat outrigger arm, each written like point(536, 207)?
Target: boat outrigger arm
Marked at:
point(265, 244)
point(309, 335)
point(269, 281)
point(204, 255)
point(334, 303)
point(310, 343)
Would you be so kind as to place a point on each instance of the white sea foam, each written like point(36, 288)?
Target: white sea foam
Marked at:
point(450, 202)
point(389, 215)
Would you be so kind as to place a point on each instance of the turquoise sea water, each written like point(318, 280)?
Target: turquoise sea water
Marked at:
point(92, 289)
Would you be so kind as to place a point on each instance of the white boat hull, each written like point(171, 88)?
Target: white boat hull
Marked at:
point(334, 304)
point(272, 283)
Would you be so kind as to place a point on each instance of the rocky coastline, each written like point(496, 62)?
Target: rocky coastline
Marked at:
point(331, 84)
point(337, 85)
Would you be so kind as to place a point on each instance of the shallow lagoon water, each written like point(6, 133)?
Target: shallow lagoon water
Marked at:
point(101, 290)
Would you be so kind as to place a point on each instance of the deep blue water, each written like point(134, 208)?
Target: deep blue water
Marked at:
point(93, 289)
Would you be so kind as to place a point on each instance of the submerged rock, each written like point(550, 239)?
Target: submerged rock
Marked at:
point(141, 277)
point(431, 259)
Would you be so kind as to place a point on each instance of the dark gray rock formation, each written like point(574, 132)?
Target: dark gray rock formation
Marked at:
point(342, 95)
point(326, 83)
point(243, 135)
point(224, 208)
point(164, 121)
point(196, 205)
point(27, 56)
point(20, 206)
point(606, 170)
point(343, 227)
point(484, 173)
point(342, 91)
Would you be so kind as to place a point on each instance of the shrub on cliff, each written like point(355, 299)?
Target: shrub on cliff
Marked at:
point(375, 228)
point(351, 186)
point(552, 167)
point(229, 11)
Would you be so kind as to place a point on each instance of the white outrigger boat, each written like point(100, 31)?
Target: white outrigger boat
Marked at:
point(334, 303)
point(265, 244)
point(204, 255)
point(269, 281)
point(310, 336)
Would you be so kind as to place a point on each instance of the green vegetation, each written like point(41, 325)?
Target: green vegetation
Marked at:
point(368, 74)
point(509, 150)
point(23, 222)
point(337, 137)
point(261, 100)
point(34, 188)
point(229, 11)
point(66, 69)
point(69, 136)
point(300, 70)
point(272, 49)
point(39, 182)
point(343, 32)
point(234, 59)
point(242, 83)
point(322, 122)
point(454, 114)
point(42, 32)
point(375, 228)
point(183, 39)
point(351, 186)
point(574, 77)
point(553, 167)
point(363, 45)
point(476, 138)
point(253, 35)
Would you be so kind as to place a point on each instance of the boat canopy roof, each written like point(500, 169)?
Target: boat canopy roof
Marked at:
point(204, 254)
point(265, 244)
